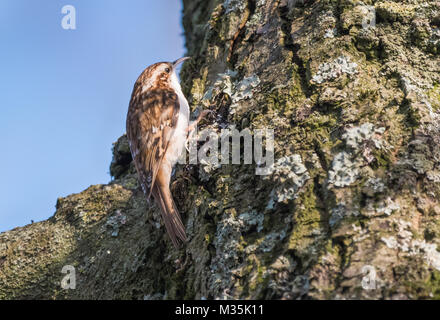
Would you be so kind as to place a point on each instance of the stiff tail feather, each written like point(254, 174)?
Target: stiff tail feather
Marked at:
point(170, 214)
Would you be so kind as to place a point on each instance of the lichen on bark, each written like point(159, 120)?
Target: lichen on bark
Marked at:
point(355, 112)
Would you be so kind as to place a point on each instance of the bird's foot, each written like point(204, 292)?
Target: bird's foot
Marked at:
point(191, 128)
point(194, 124)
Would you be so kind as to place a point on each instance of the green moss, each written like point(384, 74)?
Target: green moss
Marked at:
point(307, 218)
point(258, 279)
point(434, 97)
point(280, 99)
point(208, 238)
point(412, 117)
point(382, 159)
point(391, 11)
point(320, 123)
point(262, 275)
point(429, 288)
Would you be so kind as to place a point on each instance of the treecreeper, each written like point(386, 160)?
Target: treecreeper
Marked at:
point(158, 124)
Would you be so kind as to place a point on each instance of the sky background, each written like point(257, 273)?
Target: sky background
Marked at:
point(64, 93)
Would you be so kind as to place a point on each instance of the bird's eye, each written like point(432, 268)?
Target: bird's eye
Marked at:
point(167, 70)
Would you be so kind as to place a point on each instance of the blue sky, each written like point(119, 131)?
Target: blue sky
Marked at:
point(64, 93)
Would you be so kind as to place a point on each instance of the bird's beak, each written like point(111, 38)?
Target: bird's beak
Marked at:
point(179, 61)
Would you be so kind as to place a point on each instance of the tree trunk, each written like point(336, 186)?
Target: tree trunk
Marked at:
point(350, 209)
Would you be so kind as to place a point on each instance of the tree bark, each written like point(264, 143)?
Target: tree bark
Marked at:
point(350, 209)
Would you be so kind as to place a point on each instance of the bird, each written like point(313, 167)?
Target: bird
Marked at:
point(157, 125)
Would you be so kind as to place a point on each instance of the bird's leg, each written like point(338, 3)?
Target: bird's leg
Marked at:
point(190, 129)
point(194, 124)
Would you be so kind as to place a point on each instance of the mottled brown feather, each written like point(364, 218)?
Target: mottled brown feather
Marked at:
point(151, 120)
point(150, 125)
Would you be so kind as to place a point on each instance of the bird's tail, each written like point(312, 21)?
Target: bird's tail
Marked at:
point(170, 214)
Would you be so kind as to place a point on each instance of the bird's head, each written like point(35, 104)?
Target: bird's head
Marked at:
point(161, 74)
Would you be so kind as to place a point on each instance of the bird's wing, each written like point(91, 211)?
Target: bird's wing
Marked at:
point(151, 121)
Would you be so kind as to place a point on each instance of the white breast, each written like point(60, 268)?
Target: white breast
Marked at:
point(179, 137)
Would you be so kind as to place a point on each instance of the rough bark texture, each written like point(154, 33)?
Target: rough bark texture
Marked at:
point(356, 179)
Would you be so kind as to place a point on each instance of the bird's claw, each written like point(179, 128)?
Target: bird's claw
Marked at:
point(190, 129)
point(201, 116)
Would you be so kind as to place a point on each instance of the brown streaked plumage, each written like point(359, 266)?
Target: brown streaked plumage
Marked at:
point(157, 127)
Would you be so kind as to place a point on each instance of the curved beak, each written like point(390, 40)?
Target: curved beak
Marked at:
point(179, 61)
